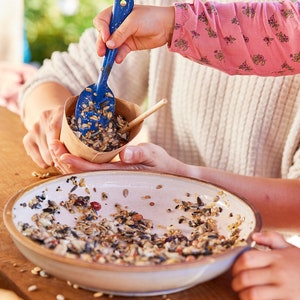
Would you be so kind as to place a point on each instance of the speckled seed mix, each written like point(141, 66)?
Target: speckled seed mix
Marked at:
point(126, 237)
point(102, 139)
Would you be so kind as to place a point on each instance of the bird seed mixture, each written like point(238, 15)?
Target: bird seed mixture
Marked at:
point(104, 139)
point(127, 237)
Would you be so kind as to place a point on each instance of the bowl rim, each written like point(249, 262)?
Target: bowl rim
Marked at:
point(17, 236)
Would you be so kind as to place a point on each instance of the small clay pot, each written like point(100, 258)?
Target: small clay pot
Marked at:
point(76, 147)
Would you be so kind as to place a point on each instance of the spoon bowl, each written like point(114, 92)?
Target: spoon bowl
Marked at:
point(96, 103)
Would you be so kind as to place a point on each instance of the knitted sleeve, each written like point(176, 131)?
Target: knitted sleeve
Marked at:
point(80, 66)
point(244, 38)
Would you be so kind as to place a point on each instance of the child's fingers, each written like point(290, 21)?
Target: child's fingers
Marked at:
point(101, 23)
point(261, 292)
point(270, 239)
point(252, 259)
point(253, 278)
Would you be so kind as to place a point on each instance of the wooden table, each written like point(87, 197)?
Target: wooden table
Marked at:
point(15, 270)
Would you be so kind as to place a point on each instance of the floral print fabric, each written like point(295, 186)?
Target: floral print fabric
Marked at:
point(240, 38)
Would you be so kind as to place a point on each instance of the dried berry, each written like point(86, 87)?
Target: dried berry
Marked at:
point(95, 205)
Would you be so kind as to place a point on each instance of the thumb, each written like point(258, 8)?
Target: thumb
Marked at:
point(131, 155)
point(144, 153)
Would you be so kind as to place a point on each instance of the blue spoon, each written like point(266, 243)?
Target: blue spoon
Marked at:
point(96, 103)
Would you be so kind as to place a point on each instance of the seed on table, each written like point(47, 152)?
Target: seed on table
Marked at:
point(32, 288)
point(36, 270)
point(40, 175)
point(43, 273)
point(60, 297)
point(98, 295)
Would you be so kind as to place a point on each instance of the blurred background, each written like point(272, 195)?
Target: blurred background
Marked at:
point(31, 30)
point(53, 24)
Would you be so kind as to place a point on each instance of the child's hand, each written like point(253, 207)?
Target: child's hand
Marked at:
point(146, 27)
point(268, 275)
point(143, 157)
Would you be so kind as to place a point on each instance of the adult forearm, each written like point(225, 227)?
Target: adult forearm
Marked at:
point(278, 200)
point(44, 97)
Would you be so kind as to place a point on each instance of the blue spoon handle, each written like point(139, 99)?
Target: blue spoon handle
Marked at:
point(121, 9)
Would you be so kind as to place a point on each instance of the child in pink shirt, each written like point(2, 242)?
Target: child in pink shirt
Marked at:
point(240, 38)
point(237, 38)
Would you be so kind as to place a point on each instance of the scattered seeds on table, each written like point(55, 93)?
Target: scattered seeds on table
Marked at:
point(36, 270)
point(43, 273)
point(41, 175)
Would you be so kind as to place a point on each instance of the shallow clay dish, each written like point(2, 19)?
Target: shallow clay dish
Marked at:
point(124, 108)
point(155, 196)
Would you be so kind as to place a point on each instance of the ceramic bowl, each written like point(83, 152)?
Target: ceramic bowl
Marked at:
point(154, 196)
point(124, 108)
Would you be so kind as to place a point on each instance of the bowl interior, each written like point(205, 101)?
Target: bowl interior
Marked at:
point(154, 196)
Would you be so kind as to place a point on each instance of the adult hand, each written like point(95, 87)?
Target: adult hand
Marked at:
point(38, 139)
point(12, 78)
point(268, 275)
point(146, 27)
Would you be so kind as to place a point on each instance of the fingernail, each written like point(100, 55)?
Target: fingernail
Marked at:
point(110, 44)
point(128, 154)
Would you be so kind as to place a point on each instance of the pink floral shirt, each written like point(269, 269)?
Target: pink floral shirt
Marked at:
point(240, 38)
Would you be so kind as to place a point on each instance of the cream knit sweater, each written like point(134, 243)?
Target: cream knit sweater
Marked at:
point(244, 124)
